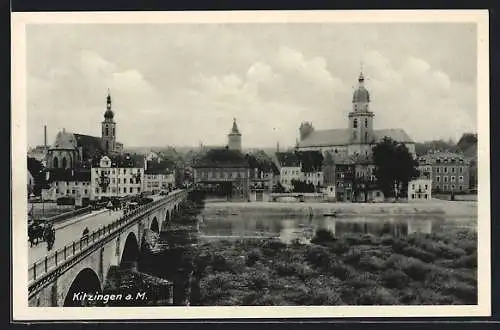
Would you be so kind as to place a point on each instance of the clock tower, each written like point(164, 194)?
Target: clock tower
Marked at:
point(108, 134)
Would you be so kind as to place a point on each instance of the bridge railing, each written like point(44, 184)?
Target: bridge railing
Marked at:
point(41, 267)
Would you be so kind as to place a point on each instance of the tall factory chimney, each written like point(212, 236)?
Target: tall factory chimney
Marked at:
point(45, 135)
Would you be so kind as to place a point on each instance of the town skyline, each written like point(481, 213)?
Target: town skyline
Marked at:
point(270, 82)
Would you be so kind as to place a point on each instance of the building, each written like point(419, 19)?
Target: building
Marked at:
point(290, 169)
point(329, 177)
point(359, 137)
point(344, 179)
point(116, 176)
point(67, 183)
point(224, 172)
point(449, 171)
point(158, 176)
point(74, 151)
point(421, 187)
point(365, 188)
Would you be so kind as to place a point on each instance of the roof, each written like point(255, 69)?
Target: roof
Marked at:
point(234, 129)
point(222, 157)
point(342, 137)
point(122, 161)
point(288, 159)
point(91, 145)
point(59, 174)
point(155, 167)
point(431, 157)
point(471, 152)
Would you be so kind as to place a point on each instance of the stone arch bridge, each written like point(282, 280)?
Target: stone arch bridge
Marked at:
point(83, 265)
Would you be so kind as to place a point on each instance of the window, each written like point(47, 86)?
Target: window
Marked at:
point(125, 190)
point(438, 178)
point(413, 186)
point(355, 123)
point(130, 190)
point(446, 170)
point(113, 131)
point(366, 139)
point(452, 186)
point(445, 179)
point(461, 188)
point(113, 190)
point(452, 179)
point(425, 196)
point(119, 180)
point(426, 187)
point(138, 189)
point(73, 191)
point(452, 170)
point(437, 169)
point(413, 196)
point(96, 190)
point(131, 180)
point(85, 191)
point(366, 122)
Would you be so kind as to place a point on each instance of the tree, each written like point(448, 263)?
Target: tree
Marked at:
point(300, 186)
point(311, 160)
point(36, 169)
point(278, 188)
point(393, 165)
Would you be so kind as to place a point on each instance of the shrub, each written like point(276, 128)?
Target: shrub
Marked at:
point(387, 240)
point(352, 257)
point(323, 237)
point(394, 279)
point(324, 296)
point(340, 270)
point(399, 245)
point(219, 263)
point(377, 296)
point(469, 261)
point(414, 268)
point(465, 292)
point(371, 263)
point(339, 247)
point(215, 286)
point(418, 253)
point(318, 256)
point(252, 257)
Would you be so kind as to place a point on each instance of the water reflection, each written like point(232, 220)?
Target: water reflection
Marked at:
point(304, 228)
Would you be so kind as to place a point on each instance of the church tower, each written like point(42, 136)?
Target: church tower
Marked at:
point(361, 118)
point(234, 138)
point(108, 135)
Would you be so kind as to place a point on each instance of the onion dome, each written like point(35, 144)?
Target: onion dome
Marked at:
point(109, 114)
point(361, 94)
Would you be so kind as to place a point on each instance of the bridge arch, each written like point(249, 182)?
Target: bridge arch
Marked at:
point(87, 282)
point(155, 225)
point(130, 254)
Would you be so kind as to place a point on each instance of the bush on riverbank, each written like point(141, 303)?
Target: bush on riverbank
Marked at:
point(348, 270)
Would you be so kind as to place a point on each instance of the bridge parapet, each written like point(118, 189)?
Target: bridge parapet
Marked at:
point(45, 269)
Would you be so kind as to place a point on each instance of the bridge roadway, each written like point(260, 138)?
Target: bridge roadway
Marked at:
point(72, 229)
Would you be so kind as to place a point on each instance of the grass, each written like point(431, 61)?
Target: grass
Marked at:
point(422, 269)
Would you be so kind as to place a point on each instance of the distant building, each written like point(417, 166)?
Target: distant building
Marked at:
point(449, 171)
point(117, 176)
point(290, 169)
point(359, 137)
point(39, 153)
point(67, 183)
point(158, 176)
point(421, 187)
point(224, 172)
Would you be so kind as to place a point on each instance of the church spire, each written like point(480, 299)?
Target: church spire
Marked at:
point(235, 130)
point(109, 113)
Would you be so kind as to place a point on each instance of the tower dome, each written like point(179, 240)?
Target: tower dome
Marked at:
point(361, 94)
point(109, 114)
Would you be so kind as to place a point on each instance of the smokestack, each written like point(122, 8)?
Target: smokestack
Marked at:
point(45, 135)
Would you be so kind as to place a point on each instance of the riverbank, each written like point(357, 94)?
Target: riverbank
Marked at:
point(357, 269)
point(433, 207)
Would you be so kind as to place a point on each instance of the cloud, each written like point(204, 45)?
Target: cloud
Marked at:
point(184, 83)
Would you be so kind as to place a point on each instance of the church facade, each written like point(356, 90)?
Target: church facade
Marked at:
point(358, 138)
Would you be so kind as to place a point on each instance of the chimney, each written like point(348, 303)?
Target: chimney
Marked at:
point(45, 135)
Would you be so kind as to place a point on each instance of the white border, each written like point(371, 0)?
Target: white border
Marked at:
point(21, 311)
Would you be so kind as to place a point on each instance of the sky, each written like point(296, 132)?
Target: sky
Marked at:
point(182, 84)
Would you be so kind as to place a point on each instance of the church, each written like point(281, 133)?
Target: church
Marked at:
point(358, 139)
point(75, 151)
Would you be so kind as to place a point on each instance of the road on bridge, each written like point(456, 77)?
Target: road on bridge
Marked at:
point(72, 230)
